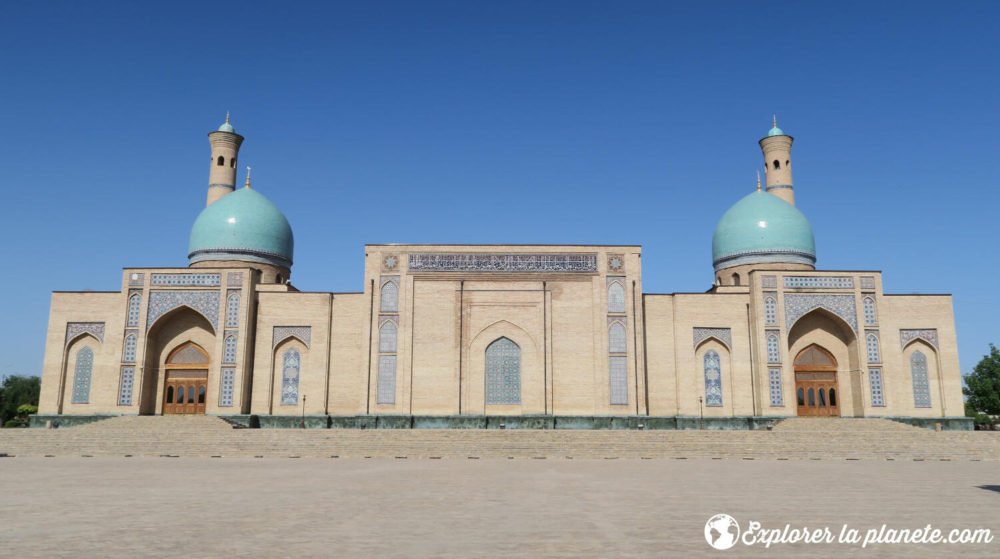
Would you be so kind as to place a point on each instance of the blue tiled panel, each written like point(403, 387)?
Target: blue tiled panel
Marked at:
point(162, 302)
point(713, 379)
point(875, 380)
point(503, 372)
point(233, 309)
point(226, 391)
point(774, 376)
point(617, 339)
point(773, 351)
point(908, 335)
point(873, 350)
point(843, 306)
point(279, 333)
point(81, 375)
point(921, 386)
point(229, 349)
point(134, 304)
point(74, 329)
point(389, 298)
point(386, 389)
point(469, 262)
point(819, 282)
point(128, 355)
point(185, 280)
point(618, 376)
point(125, 390)
point(722, 334)
point(770, 310)
point(868, 305)
point(290, 378)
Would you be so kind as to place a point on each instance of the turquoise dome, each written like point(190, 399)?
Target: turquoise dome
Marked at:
point(226, 127)
point(762, 228)
point(772, 132)
point(244, 226)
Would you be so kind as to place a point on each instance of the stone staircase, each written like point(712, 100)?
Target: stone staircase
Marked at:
point(792, 439)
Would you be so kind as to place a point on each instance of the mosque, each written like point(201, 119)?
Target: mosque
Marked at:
point(501, 336)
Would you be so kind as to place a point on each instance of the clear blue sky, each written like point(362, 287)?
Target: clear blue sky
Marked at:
point(480, 122)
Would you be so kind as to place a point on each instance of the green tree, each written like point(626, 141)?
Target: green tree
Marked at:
point(982, 385)
point(17, 391)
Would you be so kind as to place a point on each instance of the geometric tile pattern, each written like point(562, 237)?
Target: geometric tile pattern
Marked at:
point(722, 334)
point(797, 305)
point(234, 279)
point(125, 390)
point(769, 282)
point(872, 345)
point(81, 375)
point(134, 303)
point(162, 302)
point(867, 282)
point(229, 348)
point(303, 333)
point(136, 278)
point(503, 372)
point(469, 262)
point(233, 309)
point(74, 329)
point(773, 353)
point(386, 393)
point(617, 340)
point(226, 391)
point(875, 379)
point(819, 282)
point(770, 309)
point(619, 379)
point(186, 280)
point(921, 385)
point(774, 375)
point(128, 355)
point(387, 337)
point(389, 299)
point(929, 335)
point(713, 379)
point(390, 262)
point(868, 305)
point(616, 263)
point(616, 298)
point(290, 378)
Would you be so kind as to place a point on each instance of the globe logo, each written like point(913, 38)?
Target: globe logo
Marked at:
point(722, 531)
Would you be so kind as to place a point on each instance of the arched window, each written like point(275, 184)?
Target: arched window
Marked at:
point(81, 375)
point(229, 349)
point(279, 279)
point(777, 164)
point(875, 380)
point(713, 379)
point(801, 395)
point(812, 397)
point(133, 309)
point(788, 163)
point(129, 353)
point(873, 352)
point(833, 397)
point(921, 386)
point(503, 372)
point(736, 279)
point(770, 311)
point(616, 297)
point(868, 305)
point(290, 378)
point(201, 395)
point(170, 394)
point(232, 162)
point(220, 162)
point(616, 338)
point(390, 297)
point(773, 353)
point(180, 395)
point(387, 337)
point(822, 397)
point(233, 311)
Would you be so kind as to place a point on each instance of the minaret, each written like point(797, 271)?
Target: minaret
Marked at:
point(777, 148)
point(222, 173)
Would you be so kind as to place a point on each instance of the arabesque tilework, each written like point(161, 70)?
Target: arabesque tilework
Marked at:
point(921, 385)
point(722, 334)
point(279, 333)
point(503, 372)
point(74, 329)
point(774, 378)
point(797, 304)
point(162, 302)
point(713, 379)
point(82, 374)
point(290, 366)
point(927, 334)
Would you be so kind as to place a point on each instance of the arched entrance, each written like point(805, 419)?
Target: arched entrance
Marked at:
point(186, 380)
point(816, 390)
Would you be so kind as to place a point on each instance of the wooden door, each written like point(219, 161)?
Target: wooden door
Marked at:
point(816, 390)
point(186, 382)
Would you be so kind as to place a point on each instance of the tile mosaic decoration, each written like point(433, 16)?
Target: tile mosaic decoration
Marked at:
point(74, 329)
point(125, 387)
point(617, 339)
point(921, 385)
point(616, 298)
point(136, 278)
point(389, 296)
point(233, 309)
point(616, 263)
point(470, 262)
point(713, 379)
point(875, 381)
point(618, 377)
point(770, 309)
point(503, 372)
point(769, 282)
point(186, 280)
point(867, 282)
point(128, 353)
point(134, 306)
point(871, 342)
point(162, 302)
point(722, 334)
point(303, 333)
point(774, 377)
point(234, 279)
point(797, 305)
point(929, 335)
point(390, 262)
point(819, 282)
point(773, 350)
point(387, 337)
point(226, 389)
point(188, 355)
point(868, 306)
point(81, 375)
point(386, 389)
point(290, 378)
point(229, 348)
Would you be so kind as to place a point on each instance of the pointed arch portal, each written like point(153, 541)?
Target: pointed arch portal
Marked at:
point(186, 380)
point(816, 390)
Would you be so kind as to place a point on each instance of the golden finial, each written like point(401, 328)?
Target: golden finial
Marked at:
point(758, 181)
point(248, 177)
point(774, 120)
point(227, 117)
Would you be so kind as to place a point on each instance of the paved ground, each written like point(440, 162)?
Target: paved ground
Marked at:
point(234, 507)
